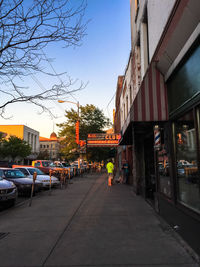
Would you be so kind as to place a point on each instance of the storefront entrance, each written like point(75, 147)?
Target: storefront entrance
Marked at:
point(150, 180)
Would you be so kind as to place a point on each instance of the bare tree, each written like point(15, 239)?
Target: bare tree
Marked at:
point(26, 27)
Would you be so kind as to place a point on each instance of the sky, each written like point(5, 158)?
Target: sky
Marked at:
point(97, 63)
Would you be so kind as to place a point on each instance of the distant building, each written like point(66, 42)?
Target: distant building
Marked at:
point(50, 145)
point(110, 131)
point(27, 134)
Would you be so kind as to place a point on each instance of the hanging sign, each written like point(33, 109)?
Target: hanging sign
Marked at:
point(77, 132)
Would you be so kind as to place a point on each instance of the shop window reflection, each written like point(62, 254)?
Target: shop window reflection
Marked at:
point(164, 172)
point(187, 170)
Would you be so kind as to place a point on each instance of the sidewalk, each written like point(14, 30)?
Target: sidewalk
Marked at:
point(88, 224)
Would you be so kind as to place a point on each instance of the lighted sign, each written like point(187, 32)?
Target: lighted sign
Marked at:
point(77, 132)
point(103, 139)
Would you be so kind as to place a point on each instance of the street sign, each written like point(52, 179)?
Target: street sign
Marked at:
point(103, 140)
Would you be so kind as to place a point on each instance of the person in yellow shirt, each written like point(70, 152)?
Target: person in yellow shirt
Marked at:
point(110, 169)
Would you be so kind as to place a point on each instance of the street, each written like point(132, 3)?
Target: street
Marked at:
point(88, 224)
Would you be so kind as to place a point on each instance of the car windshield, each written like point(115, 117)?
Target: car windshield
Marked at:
point(60, 165)
point(46, 163)
point(32, 170)
point(66, 165)
point(52, 164)
point(13, 174)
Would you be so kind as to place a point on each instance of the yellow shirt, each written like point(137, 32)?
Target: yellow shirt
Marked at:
point(110, 167)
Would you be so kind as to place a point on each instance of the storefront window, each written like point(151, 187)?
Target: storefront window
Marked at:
point(187, 170)
point(164, 164)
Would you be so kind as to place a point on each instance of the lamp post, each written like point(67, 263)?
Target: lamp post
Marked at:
point(77, 104)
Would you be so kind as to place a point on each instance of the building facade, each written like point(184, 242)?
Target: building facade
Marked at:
point(117, 124)
point(27, 134)
point(161, 117)
point(50, 146)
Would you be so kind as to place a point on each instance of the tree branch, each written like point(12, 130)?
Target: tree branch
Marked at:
point(25, 29)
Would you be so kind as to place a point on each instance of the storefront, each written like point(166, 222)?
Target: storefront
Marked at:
point(144, 176)
point(125, 149)
point(149, 108)
point(179, 158)
point(169, 176)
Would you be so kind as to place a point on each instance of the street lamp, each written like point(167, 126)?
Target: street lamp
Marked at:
point(77, 104)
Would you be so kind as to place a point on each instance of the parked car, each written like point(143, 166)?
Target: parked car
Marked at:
point(46, 166)
point(22, 183)
point(43, 165)
point(65, 166)
point(184, 163)
point(8, 191)
point(43, 178)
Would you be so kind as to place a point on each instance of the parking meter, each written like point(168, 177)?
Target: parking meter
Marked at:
point(32, 188)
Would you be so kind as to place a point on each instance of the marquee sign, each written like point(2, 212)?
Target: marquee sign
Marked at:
point(103, 140)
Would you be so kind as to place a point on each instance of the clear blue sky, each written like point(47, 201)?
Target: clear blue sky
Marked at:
point(102, 56)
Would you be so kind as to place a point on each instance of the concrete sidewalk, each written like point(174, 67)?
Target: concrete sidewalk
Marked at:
point(88, 224)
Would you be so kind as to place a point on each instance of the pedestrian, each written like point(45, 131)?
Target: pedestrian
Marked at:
point(110, 169)
point(99, 167)
point(102, 164)
point(125, 168)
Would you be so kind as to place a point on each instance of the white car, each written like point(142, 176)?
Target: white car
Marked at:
point(41, 177)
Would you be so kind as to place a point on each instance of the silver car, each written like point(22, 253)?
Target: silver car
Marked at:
point(8, 191)
point(22, 183)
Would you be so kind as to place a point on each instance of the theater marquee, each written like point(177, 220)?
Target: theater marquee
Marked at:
point(103, 140)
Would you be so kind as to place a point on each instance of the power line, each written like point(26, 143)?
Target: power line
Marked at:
point(44, 89)
point(106, 109)
point(57, 74)
point(111, 100)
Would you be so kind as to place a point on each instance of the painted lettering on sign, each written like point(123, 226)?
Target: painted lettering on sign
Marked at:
point(103, 139)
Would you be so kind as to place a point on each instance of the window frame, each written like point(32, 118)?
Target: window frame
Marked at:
point(196, 115)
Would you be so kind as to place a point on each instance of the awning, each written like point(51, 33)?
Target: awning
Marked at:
point(150, 103)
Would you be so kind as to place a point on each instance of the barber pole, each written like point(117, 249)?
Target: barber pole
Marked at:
point(157, 138)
